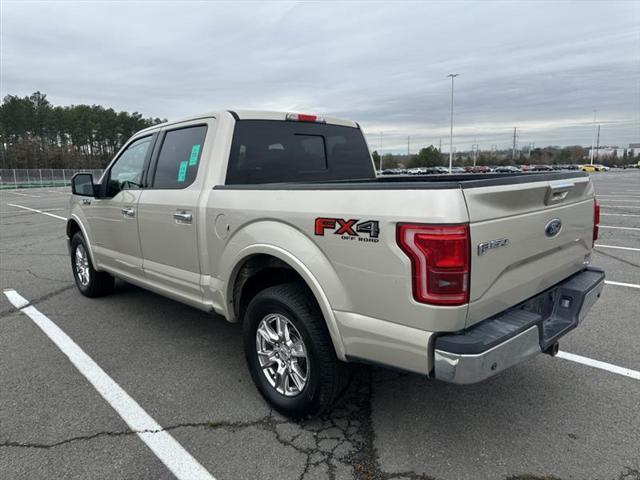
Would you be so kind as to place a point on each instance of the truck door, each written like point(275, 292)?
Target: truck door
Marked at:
point(114, 220)
point(168, 208)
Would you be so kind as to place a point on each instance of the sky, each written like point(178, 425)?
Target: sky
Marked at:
point(543, 67)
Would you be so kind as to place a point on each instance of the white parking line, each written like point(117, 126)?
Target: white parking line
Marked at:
point(618, 206)
point(623, 200)
point(619, 194)
point(59, 193)
point(625, 372)
point(619, 215)
point(617, 248)
point(162, 444)
point(36, 211)
point(619, 228)
point(621, 284)
point(22, 194)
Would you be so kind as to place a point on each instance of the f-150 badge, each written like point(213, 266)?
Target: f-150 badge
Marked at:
point(484, 247)
point(352, 229)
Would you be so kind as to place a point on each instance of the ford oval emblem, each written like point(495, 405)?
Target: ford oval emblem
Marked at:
point(553, 228)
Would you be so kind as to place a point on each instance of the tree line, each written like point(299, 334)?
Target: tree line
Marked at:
point(36, 134)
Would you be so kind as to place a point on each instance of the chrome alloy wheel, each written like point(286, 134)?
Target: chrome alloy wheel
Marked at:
point(82, 265)
point(282, 355)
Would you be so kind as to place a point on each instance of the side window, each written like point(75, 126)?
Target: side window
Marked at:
point(179, 157)
point(126, 173)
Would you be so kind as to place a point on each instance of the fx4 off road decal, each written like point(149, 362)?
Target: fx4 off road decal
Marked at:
point(353, 229)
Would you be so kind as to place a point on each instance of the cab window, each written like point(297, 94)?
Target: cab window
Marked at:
point(179, 157)
point(126, 173)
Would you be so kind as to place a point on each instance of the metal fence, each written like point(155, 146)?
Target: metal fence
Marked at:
point(41, 177)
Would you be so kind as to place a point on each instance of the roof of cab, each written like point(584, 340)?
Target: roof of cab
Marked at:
point(250, 115)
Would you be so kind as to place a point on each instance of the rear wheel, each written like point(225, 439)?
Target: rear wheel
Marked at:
point(289, 352)
point(90, 282)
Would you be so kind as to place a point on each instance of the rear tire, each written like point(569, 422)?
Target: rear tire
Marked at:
point(296, 369)
point(90, 282)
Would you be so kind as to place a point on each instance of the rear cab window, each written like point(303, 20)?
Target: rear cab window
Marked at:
point(275, 151)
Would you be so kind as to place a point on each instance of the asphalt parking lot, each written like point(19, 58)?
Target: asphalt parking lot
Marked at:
point(548, 418)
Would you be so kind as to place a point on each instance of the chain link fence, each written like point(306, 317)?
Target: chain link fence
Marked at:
point(41, 177)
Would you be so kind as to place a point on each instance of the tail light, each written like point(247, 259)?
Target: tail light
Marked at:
point(596, 219)
point(301, 117)
point(439, 257)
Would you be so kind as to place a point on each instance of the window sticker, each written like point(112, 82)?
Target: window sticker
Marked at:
point(182, 171)
point(193, 159)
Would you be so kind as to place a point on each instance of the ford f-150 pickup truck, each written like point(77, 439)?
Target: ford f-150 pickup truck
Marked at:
point(278, 221)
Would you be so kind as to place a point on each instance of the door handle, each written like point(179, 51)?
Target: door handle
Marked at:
point(128, 212)
point(557, 192)
point(183, 216)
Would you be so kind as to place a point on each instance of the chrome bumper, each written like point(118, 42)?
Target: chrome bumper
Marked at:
point(518, 333)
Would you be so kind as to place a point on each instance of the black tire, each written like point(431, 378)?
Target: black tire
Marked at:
point(327, 376)
point(98, 283)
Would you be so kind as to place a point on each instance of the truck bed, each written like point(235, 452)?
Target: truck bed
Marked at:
point(432, 181)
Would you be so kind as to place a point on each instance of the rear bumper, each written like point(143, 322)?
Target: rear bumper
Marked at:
point(519, 333)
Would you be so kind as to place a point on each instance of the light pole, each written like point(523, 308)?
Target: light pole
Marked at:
point(380, 153)
point(453, 76)
point(593, 135)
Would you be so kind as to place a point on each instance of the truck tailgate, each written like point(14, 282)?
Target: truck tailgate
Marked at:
point(516, 250)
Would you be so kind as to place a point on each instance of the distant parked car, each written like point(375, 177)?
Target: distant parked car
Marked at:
point(457, 170)
point(507, 169)
point(542, 168)
point(588, 168)
point(602, 168)
point(478, 169)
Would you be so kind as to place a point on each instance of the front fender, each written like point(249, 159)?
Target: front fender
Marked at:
point(299, 252)
point(78, 217)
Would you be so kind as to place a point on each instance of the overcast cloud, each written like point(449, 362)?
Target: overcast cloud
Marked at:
point(541, 66)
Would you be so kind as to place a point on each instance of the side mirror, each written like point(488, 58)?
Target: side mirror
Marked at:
point(82, 184)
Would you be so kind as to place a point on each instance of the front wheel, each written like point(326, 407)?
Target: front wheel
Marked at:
point(289, 352)
point(90, 282)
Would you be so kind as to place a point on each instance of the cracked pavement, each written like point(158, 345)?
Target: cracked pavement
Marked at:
point(546, 419)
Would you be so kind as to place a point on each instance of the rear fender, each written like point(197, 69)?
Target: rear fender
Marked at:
point(300, 253)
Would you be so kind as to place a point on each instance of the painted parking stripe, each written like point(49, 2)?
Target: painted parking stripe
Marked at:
point(37, 211)
point(621, 200)
point(615, 247)
point(623, 195)
point(621, 284)
point(619, 214)
point(162, 444)
point(619, 228)
point(22, 194)
point(618, 206)
point(625, 372)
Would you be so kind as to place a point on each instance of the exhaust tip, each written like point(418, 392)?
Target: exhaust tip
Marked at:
point(553, 349)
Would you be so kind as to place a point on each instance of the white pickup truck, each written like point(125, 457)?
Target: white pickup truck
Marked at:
point(278, 221)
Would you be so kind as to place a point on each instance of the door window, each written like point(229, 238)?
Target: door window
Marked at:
point(179, 157)
point(126, 173)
